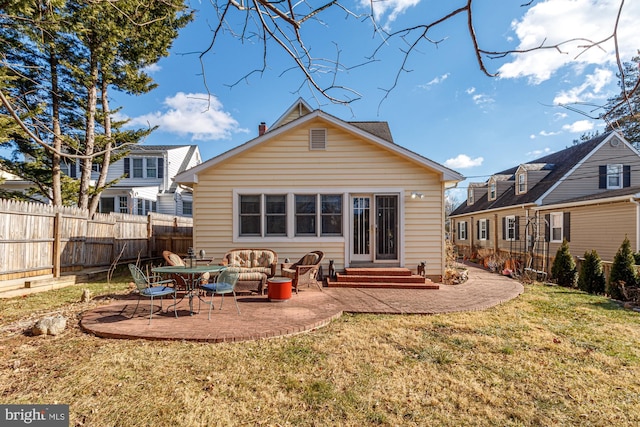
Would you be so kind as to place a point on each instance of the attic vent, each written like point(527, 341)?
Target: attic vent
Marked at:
point(318, 139)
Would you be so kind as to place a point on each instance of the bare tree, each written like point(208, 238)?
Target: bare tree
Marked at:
point(281, 25)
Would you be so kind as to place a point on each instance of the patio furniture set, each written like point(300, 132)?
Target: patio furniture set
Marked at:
point(196, 278)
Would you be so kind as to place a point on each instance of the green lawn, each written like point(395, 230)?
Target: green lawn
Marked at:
point(553, 356)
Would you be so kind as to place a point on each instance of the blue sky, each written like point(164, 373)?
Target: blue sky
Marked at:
point(443, 107)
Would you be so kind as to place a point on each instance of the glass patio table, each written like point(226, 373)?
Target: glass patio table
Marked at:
point(191, 277)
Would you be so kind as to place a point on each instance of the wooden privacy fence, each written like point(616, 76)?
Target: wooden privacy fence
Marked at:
point(37, 239)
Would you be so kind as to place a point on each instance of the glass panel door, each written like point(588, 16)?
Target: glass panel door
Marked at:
point(361, 228)
point(387, 227)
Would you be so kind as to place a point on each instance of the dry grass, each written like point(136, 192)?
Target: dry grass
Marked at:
point(552, 357)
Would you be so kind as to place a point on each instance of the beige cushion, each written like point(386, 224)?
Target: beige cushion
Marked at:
point(175, 259)
point(309, 259)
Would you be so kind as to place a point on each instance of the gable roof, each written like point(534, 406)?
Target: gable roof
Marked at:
point(561, 163)
point(377, 133)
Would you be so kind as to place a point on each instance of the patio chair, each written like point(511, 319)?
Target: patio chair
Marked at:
point(225, 283)
point(151, 287)
point(305, 271)
point(174, 259)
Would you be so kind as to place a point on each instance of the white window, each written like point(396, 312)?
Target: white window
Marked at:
point(300, 215)
point(482, 229)
point(143, 206)
point(492, 191)
point(522, 185)
point(556, 226)
point(470, 199)
point(614, 176)
point(462, 230)
point(123, 205)
point(152, 167)
point(510, 228)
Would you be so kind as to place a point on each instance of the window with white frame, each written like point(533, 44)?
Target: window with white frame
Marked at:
point(470, 198)
point(299, 215)
point(510, 228)
point(144, 167)
point(276, 214)
point(123, 206)
point(492, 190)
point(483, 231)
point(556, 226)
point(522, 183)
point(113, 204)
point(462, 230)
point(614, 176)
point(144, 206)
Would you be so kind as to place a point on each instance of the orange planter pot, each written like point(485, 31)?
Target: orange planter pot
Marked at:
point(279, 289)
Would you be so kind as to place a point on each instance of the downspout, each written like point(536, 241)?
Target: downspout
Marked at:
point(633, 200)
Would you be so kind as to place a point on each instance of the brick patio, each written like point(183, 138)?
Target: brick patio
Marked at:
point(306, 311)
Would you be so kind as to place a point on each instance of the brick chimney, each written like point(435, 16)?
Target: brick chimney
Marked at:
point(262, 128)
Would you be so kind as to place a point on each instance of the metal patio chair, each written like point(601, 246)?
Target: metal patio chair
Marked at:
point(152, 287)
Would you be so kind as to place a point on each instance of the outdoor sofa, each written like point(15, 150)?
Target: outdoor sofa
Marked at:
point(254, 265)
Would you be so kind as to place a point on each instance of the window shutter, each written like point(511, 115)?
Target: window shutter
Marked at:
point(566, 226)
point(73, 171)
point(504, 228)
point(547, 228)
point(127, 166)
point(160, 167)
point(478, 230)
point(516, 232)
point(488, 234)
point(602, 174)
point(626, 176)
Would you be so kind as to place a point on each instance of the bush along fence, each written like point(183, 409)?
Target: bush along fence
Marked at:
point(38, 239)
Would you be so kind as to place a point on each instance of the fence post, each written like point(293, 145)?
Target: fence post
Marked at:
point(57, 244)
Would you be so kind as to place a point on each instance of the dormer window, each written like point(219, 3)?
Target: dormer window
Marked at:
point(470, 199)
point(522, 183)
point(492, 190)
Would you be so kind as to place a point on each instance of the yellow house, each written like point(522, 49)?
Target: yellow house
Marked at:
point(315, 182)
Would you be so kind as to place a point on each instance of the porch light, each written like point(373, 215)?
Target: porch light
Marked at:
point(415, 195)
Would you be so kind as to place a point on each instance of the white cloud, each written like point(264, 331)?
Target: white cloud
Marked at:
point(560, 116)
point(470, 90)
point(532, 136)
point(153, 68)
point(195, 114)
point(590, 90)
point(463, 161)
point(554, 21)
point(579, 126)
point(545, 133)
point(482, 99)
point(391, 8)
point(435, 81)
point(538, 153)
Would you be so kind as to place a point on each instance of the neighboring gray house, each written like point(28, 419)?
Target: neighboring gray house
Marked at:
point(147, 180)
point(588, 194)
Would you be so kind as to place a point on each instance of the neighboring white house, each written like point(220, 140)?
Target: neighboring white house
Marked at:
point(146, 183)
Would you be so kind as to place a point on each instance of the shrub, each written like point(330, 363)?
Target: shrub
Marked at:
point(564, 270)
point(623, 271)
point(591, 278)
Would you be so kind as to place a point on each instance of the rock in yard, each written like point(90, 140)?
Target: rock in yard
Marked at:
point(52, 325)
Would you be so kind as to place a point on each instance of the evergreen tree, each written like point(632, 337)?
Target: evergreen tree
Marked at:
point(64, 57)
point(591, 278)
point(623, 111)
point(564, 270)
point(623, 271)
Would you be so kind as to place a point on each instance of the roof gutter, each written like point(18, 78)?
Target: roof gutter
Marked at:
point(607, 200)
